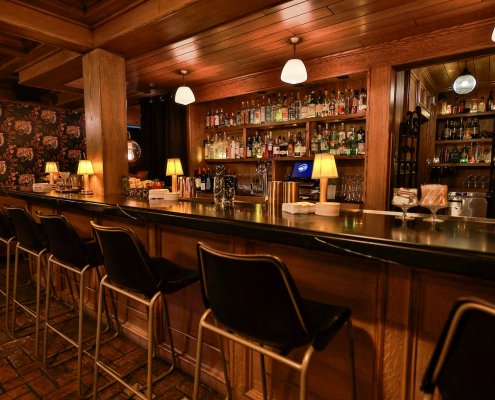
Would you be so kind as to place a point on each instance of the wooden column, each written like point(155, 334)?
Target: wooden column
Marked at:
point(106, 120)
point(379, 136)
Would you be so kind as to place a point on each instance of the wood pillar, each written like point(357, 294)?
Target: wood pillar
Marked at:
point(379, 137)
point(106, 120)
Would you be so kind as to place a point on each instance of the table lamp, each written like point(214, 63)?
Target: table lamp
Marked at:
point(85, 168)
point(324, 168)
point(174, 168)
point(51, 168)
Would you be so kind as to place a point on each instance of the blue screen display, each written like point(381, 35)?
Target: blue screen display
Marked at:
point(302, 169)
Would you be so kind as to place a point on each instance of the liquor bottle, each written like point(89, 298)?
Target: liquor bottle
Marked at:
point(482, 105)
point(274, 110)
point(490, 106)
point(341, 109)
point(455, 108)
point(243, 112)
point(343, 147)
point(270, 146)
point(449, 107)
point(290, 146)
point(279, 109)
point(226, 120)
point(285, 109)
point(348, 101)
point(252, 114)
point(233, 120)
point(332, 107)
point(462, 105)
point(217, 119)
point(362, 102)
point(220, 118)
point(442, 103)
point(304, 108)
point(290, 113)
point(206, 146)
point(239, 117)
point(326, 105)
point(342, 135)
point(241, 148)
point(323, 143)
point(467, 105)
point(455, 155)
point(361, 142)
point(228, 149)
point(352, 142)
point(254, 145)
point(237, 148)
point(475, 131)
point(446, 131)
point(203, 180)
point(268, 111)
point(209, 182)
point(298, 145)
point(197, 178)
point(264, 147)
point(312, 106)
point(249, 148)
point(276, 147)
point(334, 141)
point(467, 129)
point(284, 148)
point(474, 104)
point(355, 103)
point(212, 120)
point(208, 120)
point(319, 106)
point(225, 144)
point(257, 113)
point(453, 130)
point(297, 112)
point(259, 148)
point(464, 154)
point(262, 111)
point(314, 143)
point(303, 145)
point(460, 131)
point(247, 114)
point(211, 152)
point(232, 148)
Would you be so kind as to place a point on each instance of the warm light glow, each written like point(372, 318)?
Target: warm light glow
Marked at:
point(294, 72)
point(184, 95)
point(324, 167)
point(133, 151)
point(85, 168)
point(174, 167)
point(465, 83)
point(493, 35)
point(51, 167)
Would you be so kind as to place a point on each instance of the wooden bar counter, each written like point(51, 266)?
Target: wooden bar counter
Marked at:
point(399, 280)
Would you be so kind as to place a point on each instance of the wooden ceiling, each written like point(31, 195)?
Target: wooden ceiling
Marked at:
point(213, 39)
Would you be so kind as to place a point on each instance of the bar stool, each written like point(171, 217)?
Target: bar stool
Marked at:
point(264, 306)
point(461, 366)
point(78, 256)
point(131, 272)
point(7, 236)
point(33, 240)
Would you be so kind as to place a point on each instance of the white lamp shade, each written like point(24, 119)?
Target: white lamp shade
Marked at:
point(493, 35)
point(184, 95)
point(85, 167)
point(294, 72)
point(464, 84)
point(51, 166)
point(324, 167)
point(174, 167)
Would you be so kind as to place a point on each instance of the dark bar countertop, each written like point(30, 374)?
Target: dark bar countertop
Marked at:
point(460, 246)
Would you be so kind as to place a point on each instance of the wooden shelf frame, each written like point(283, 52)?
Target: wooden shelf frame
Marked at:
point(462, 165)
point(467, 115)
point(487, 140)
point(360, 157)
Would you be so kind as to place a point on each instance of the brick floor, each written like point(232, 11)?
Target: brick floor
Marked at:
point(24, 378)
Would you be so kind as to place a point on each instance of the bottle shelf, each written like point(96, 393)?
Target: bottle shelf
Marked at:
point(464, 190)
point(278, 159)
point(464, 165)
point(466, 115)
point(488, 140)
point(291, 124)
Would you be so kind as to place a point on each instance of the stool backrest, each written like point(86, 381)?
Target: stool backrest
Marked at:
point(29, 233)
point(6, 228)
point(462, 365)
point(254, 296)
point(65, 244)
point(126, 261)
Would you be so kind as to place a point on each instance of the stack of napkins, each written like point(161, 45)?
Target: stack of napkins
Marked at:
point(157, 193)
point(327, 209)
point(302, 207)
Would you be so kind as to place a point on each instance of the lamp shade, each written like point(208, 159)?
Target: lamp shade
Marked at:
point(294, 72)
point(493, 35)
point(465, 83)
point(51, 166)
point(324, 167)
point(184, 95)
point(85, 168)
point(174, 167)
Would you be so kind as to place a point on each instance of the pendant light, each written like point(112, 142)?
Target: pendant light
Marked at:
point(184, 94)
point(465, 83)
point(493, 35)
point(133, 149)
point(294, 71)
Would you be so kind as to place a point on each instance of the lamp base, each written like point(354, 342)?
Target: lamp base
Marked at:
point(323, 190)
point(86, 192)
point(174, 184)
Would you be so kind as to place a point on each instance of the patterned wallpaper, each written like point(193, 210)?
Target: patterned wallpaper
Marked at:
point(31, 135)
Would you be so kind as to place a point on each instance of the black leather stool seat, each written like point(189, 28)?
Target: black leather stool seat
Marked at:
point(6, 226)
point(175, 276)
point(94, 259)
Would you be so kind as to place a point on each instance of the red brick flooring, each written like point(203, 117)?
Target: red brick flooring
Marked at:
point(24, 378)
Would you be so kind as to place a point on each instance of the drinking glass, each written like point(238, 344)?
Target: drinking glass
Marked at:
point(405, 199)
point(434, 197)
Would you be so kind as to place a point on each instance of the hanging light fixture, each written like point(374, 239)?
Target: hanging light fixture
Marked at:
point(493, 35)
point(465, 83)
point(184, 94)
point(133, 149)
point(294, 70)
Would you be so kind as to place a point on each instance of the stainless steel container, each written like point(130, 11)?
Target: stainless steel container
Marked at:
point(466, 204)
point(291, 192)
point(77, 181)
point(275, 193)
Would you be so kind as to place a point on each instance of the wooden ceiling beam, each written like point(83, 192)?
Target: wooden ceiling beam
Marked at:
point(44, 28)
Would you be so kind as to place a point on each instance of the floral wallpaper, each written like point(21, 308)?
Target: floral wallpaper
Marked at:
point(31, 135)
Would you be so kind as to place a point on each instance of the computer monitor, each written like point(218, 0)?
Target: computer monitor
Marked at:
point(302, 170)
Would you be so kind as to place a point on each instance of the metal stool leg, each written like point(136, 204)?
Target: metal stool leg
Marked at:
point(224, 365)
point(351, 355)
point(98, 339)
point(7, 285)
point(199, 352)
point(304, 373)
point(263, 376)
point(16, 264)
point(47, 311)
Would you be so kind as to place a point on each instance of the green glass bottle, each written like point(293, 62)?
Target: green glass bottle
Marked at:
point(464, 154)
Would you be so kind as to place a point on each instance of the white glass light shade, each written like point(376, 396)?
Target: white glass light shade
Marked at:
point(465, 83)
point(174, 167)
point(493, 35)
point(133, 151)
point(324, 167)
point(51, 166)
point(184, 95)
point(85, 167)
point(294, 72)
